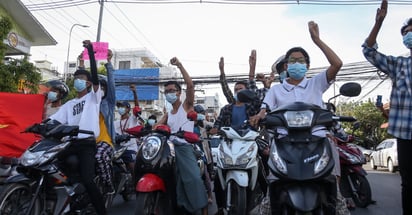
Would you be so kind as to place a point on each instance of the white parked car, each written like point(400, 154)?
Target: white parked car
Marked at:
point(385, 155)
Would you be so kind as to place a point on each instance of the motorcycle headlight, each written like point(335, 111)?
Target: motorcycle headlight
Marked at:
point(322, 162)
point(151, 147)
point(245, 158)
point(33, 158)
point(277, 160)
point(297, 119)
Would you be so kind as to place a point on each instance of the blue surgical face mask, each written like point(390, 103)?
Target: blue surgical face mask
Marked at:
point(407, 40)
point(297, 70)
point(151, 122)
point(52, 96)
point(79, 84)
point(121, 111)
point(200, 117)
point(282, 76)
point(235, 97)
point(171, 97)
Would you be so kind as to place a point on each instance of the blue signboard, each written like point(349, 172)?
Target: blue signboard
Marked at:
point(146, 81)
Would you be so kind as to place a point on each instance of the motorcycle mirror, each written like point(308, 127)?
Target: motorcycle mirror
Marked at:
point(350, 89)
point(246, 96)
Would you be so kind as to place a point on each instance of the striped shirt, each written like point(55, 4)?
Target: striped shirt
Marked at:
point(399, 69)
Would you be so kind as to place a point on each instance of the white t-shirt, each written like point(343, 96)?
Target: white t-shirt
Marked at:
point(179, 120)
point(308, 91)
point(83, 112)
point(121, 125)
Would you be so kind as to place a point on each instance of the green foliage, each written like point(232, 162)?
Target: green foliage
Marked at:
point(5, 27)
point(15, 70)
point(370, 118)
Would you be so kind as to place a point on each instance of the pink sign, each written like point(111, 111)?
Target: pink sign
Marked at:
point(100, 51)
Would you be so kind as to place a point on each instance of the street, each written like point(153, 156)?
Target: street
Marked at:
point(385, 191)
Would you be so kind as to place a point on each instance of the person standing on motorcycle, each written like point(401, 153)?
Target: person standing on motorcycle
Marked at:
point(299, 88)
point(399, 69)
point(83, 111)
point(191, 192)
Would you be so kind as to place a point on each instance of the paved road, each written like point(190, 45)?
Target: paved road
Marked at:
point(385, 190)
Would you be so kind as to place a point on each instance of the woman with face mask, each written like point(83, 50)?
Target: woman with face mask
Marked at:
point(58, 92)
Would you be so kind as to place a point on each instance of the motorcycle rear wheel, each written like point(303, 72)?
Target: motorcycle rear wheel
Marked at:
point(15, 200)
point(150, 204)
point(364, 193)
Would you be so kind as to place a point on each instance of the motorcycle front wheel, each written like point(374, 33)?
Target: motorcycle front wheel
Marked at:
point(15, 199)
point(238, 203)
point(363, 191)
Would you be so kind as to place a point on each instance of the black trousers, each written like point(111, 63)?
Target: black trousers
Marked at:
point(405, 170)
point(85, 150)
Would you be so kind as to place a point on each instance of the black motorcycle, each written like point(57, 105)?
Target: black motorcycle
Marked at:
point(43, 185)
point(301, 156)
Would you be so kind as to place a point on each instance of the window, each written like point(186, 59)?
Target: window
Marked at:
point(124, 64)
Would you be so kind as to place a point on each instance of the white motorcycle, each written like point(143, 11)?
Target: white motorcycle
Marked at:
point(237, 169)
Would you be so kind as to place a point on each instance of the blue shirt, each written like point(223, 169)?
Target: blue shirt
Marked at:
point(109, 102)
point(400, 71)
point(238, 116)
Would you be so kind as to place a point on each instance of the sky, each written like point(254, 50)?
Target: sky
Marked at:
point(200, 33)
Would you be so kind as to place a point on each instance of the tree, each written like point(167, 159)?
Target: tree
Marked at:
point(370, 118)
point(15, 72)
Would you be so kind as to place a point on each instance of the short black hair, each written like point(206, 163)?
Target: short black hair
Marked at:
point(244, 83)
point(177, 85)
point(407, 23)
point(83, 72)
point(298, 49)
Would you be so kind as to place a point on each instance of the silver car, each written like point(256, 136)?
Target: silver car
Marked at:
point(385, 155)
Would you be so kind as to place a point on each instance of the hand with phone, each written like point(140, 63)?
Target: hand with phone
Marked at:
point(379, 101)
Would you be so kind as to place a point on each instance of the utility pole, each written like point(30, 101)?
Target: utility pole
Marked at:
point(99, 27)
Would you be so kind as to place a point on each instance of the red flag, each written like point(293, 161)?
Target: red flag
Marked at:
point(17, 112)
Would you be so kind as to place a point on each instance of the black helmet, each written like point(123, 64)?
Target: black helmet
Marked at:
point(199, 109)
point(59, 86)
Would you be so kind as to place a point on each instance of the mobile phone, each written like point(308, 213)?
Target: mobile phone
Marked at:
point(379, 101)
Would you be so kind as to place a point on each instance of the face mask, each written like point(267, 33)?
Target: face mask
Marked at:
point(151, 122)
point(235, 96)
point(297, 70)
point(200, 117)
point(407, 40)
point(171, 98)
point(282, 76)
point(121, 111)
point(52, 96)
point(79, 85)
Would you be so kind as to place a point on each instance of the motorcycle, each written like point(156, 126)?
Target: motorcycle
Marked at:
point(43, 185)
point(238, 168)
point(301, 156)
point(155, 169)
point(353, 183)
point(122, 177)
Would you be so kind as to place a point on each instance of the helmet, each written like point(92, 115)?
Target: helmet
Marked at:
point(199, 109)
point(59, 86)
point(278, 64)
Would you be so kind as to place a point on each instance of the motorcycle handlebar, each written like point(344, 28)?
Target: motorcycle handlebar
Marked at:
point(344, 118)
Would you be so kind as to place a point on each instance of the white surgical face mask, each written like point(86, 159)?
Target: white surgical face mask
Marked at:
point(151, 122)
point(79, 84)
point(171, 97)
point(52, 96)
point(121, 111)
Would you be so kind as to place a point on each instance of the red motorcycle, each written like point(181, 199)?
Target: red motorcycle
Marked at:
point(353, 183)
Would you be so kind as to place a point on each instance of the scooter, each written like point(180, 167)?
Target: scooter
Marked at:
point(238, 168)
point(301, 156)
point(155, 169)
